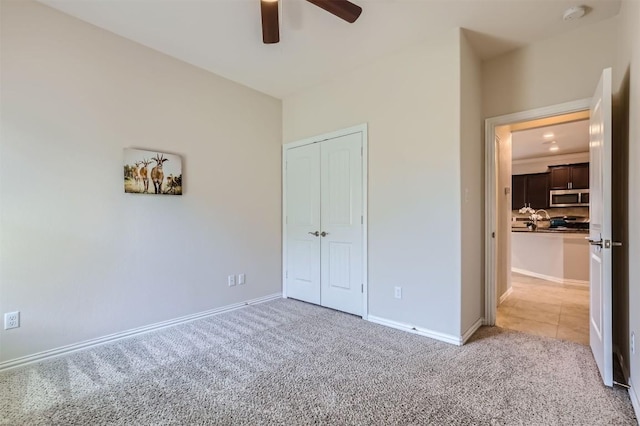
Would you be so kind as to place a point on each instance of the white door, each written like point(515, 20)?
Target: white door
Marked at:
point(303, 223)
point(341, 218)
point(324, 229)
point(600, 316)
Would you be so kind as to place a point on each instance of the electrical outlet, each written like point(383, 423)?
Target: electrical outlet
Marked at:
point(397, 292)
point(241, 279)
point(633, 343)
point(231, 280)
point(11, 320)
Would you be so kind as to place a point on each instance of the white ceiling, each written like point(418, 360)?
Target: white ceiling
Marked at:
point(224, 36)
point(569, 137)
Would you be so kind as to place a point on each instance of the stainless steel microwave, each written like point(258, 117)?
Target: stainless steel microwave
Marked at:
point(569, 198)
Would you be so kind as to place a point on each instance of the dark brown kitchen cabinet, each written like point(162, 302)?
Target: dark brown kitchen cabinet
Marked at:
point(571, 176)
point(518, 191)
point(580, 176)
point(531, 190)
point(538, 190)
point(560, 177)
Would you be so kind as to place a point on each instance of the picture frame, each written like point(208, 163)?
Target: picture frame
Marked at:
point(152, 172)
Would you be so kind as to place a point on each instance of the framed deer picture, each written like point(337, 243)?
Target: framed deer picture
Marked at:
point(152, 172)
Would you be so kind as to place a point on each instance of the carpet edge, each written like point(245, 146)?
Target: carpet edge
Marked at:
point(91, 343)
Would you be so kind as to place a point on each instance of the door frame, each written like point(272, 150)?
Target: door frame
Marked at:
point(490, 301)
point(361, 128)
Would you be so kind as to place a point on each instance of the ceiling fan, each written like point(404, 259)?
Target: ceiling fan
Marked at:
point(270, 24)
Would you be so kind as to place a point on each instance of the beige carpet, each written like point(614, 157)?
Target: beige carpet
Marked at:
point(290, 363)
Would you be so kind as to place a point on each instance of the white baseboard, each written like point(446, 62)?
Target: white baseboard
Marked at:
point(635, 401)
point(447, 338)
point(63, 350)
point(505, 295)
point(467, 334)
point(551, 278)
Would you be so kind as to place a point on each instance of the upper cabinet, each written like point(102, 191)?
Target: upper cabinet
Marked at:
point(531, 190)
point(572, 176)
point(538, 190)
point(518, 191)
point(580, 176)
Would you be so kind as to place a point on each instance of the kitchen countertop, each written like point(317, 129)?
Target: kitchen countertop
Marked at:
point(552, 231)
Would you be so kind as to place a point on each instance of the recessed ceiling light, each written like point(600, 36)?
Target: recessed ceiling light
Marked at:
point(554, 148)
point(548, 135)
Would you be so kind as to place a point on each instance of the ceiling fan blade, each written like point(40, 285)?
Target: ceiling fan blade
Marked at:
point(341, 8)
point(270, 22)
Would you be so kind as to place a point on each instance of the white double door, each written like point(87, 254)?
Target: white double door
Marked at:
point(323, 220)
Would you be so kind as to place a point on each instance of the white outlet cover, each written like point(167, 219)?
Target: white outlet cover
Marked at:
point(241, 279)
point(11, 320)
point(397, 293)
point(231, 280)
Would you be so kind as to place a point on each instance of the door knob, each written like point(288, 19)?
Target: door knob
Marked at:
point(317, 234)
point(324, 234)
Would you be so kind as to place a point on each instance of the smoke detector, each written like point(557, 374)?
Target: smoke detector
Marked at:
point(573, 13)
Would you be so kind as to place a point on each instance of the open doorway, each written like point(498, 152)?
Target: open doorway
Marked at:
point(601, 201)
point(547, 287)
point(532, 277)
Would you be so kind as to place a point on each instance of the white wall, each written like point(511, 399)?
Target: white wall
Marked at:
point(78, 257)
point(628, 65)
point(411, 103)
point(472, 186)
point(560, 69)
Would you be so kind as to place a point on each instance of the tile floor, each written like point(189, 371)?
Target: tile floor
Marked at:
point(546, 308)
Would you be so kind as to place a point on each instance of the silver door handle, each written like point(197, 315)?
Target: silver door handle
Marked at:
point(317, 233)
point(603, 243)
point(595, 242)
point(324, 234)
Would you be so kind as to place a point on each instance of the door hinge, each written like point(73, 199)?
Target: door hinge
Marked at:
point(361, 151)
point(361, 288)
point(286, 274)
point(493, 235)
point(361, 220)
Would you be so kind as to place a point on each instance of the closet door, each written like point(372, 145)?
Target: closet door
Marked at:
point(341, 218)
point(303, 222)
